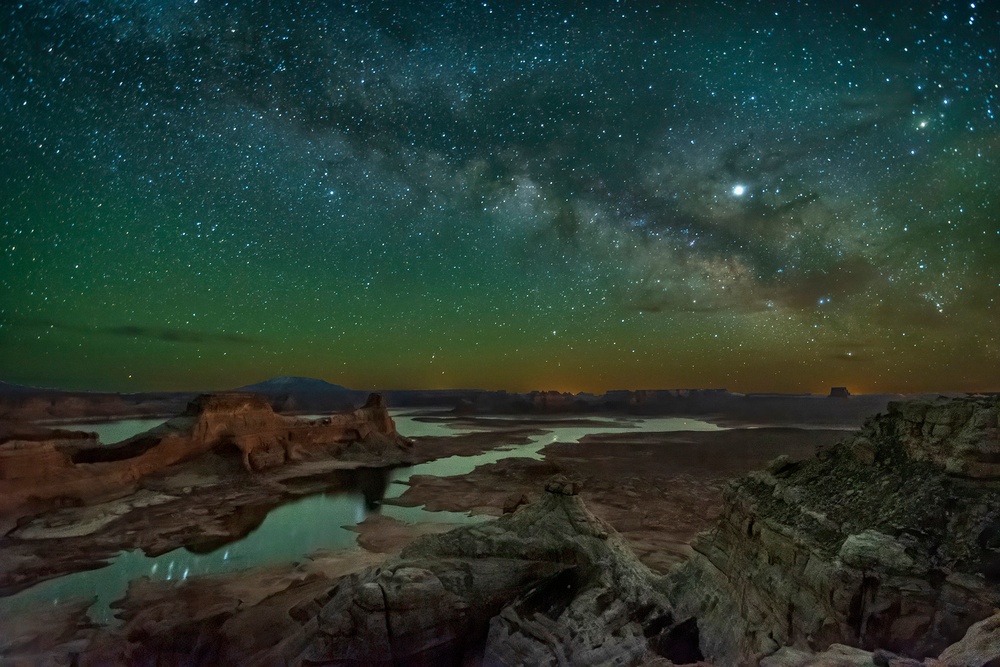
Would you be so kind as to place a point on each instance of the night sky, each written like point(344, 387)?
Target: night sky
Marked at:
point(198, 194)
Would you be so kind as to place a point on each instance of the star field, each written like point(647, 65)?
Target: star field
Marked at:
point(785, 196)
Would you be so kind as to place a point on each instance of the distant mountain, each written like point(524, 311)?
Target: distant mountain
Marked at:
point(290, 384)
point(25, 389)
point(291, 394)
point(9, 388)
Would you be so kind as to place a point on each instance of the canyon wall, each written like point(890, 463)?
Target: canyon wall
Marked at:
point(889, 539)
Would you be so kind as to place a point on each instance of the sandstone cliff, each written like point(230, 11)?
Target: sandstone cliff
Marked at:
point(38, 475)
point(890, 539)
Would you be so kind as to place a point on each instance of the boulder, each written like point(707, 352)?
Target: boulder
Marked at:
point(980, 647)
point(872, 550)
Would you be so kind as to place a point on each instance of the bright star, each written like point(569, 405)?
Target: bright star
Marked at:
point(738, 190)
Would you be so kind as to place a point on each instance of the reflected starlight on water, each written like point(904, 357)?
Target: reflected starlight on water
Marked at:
point(295, 530)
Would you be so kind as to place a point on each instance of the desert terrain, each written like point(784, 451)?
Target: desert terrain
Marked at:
point(206, 496)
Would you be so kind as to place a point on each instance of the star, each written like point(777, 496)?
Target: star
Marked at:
point(342, 190)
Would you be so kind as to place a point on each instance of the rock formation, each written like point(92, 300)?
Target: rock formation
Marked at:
point(980, 647)
point(37, 475)
point(22, 403)
point(549, 584)
point(890, 539)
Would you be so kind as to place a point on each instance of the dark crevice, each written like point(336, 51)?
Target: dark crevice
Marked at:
point(680, 644)
point(385, 606)
point(657, 625)
point(552, 596)
point(857, 612)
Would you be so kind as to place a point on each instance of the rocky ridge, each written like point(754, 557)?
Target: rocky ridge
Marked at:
point(890, 539)
point(549, 584)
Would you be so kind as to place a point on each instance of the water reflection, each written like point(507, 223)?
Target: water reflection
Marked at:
point(372, 483)
point(292, 531)
point(112, 432)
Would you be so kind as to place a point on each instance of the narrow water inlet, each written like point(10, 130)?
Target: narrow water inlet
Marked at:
point(292, 531)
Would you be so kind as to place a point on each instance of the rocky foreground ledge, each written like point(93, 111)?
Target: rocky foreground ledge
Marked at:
point(889, 540)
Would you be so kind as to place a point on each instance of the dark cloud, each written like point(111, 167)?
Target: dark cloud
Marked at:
point(165, 334)
point(841, 280)
point(176, 335)
point(698, 284)
point(853, 345)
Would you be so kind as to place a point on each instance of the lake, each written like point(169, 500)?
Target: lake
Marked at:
point(292, 531)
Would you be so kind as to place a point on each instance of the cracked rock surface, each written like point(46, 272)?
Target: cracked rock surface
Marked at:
point(889, 539)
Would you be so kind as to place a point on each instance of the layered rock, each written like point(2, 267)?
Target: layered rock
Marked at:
point(34, 475)
point(890, 539)
point(27, 459)
point(32, 403)
point(549, 584)
point(959, 436)
point(980, 647)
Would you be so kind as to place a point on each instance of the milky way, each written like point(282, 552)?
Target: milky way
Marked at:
point(759, 196)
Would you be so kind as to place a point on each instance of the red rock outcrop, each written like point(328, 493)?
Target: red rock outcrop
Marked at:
point(21, 459)
point(34, 475)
